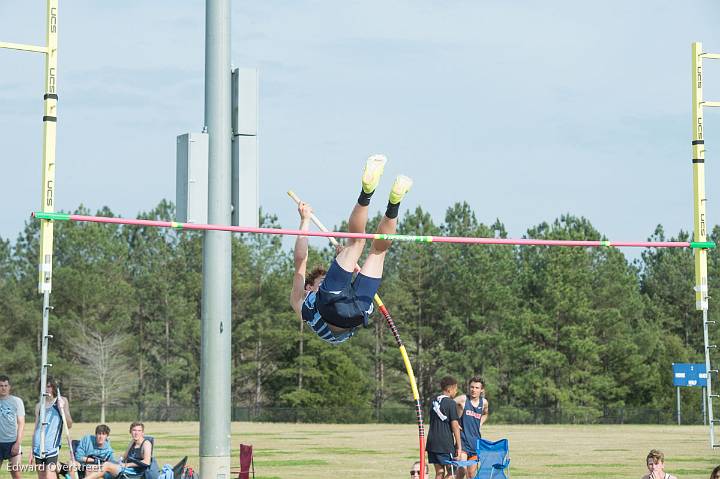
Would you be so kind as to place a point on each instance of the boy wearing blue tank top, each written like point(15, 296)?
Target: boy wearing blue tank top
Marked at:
point(473, 411)
point(47, 441)
point(333, 303)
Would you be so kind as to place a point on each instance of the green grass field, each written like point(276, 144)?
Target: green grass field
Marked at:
point(288, 451)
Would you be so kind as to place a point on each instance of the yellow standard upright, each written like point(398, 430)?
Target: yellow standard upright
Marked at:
point(48, 155)
point(698, 159)
point(699, 217)
point(50, 100)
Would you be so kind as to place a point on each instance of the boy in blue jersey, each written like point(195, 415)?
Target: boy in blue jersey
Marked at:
point(46, 448)
point(473, 411)
point(332, 303)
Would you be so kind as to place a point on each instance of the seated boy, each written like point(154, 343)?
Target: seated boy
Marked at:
point(94, 449)
point(137, 458)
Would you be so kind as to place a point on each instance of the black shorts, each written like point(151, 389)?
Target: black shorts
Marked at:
point(64, 468)
point(6, 450)
point(442, 458)
point(46, 460)
point(344, 302)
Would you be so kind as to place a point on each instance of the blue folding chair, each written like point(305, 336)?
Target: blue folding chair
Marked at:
point(492, 459)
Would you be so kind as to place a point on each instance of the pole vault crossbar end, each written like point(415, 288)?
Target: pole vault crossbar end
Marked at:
point(47, 215)
point(703, 245)
point(23, 47)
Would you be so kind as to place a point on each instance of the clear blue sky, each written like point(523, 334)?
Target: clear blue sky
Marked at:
point(525, 109)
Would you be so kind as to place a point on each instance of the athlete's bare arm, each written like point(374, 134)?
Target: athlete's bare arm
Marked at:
point(20, 434)
point(297, 295)
point(460, 403)
point(484, 416)
point(64, 404)
point(455, 427)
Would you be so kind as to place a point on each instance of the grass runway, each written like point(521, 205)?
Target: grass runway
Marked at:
point(304, 451)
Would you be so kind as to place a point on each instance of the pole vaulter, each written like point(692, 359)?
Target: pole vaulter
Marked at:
point(403, 352)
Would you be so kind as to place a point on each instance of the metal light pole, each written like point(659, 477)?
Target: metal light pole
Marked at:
point(216, 301)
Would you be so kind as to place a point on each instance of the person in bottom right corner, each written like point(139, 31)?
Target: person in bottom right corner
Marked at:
point(656, 466)
point(715, 474)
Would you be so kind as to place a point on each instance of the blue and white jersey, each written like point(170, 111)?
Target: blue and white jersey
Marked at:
point(53, 432)
point(314, 320)
point(470, 423)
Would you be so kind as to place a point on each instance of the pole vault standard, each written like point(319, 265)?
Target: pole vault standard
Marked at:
point(410, 238)
point(47, 189)
point(403, 352)
point(700, 219)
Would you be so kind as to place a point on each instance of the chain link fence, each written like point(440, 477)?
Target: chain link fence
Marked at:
point(395, 415)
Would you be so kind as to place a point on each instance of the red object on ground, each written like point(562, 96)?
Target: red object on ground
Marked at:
point(246, 462)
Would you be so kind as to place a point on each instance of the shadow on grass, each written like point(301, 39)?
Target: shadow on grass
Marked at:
point(348, 450)
point(291, 463)
point(587, 466)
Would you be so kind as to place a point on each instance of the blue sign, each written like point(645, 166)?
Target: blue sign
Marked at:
point(686, 374)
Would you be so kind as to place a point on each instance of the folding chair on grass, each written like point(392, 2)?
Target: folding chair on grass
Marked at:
point(74, 444)
point(492, 459)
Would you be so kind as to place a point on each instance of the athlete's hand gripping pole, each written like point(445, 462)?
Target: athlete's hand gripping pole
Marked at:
point(403, 352)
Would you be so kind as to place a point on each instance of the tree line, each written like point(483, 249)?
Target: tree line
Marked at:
point(583, 330)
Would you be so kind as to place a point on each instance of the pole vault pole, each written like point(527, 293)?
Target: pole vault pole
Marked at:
point(66, 431)
point(398, 341)
point(47, 204)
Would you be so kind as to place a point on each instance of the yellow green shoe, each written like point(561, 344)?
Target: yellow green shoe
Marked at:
point(373, 171)
point(399, 188)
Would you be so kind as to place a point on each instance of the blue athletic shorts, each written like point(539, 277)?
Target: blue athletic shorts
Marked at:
point(6, 450)
point(344, 302)
point(443, 458)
